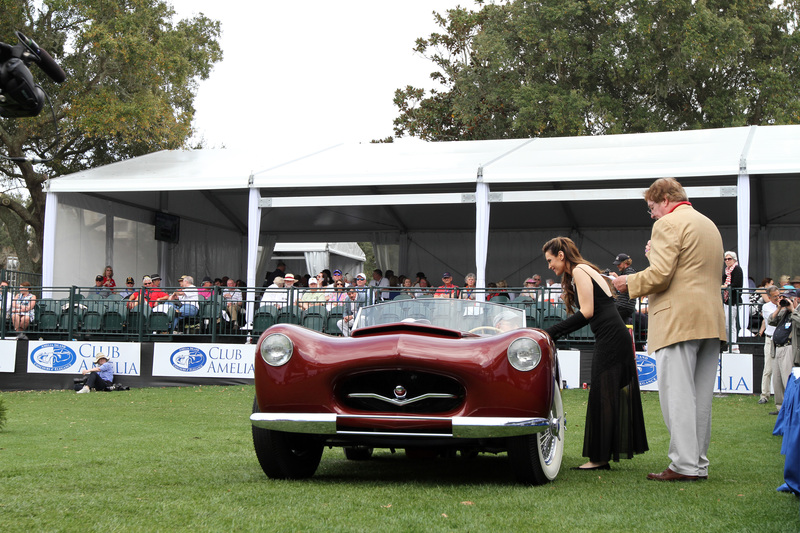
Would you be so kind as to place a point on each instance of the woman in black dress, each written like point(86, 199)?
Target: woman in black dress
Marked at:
point(614, 418)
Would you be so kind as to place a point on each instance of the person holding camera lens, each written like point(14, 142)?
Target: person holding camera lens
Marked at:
point(786, 320)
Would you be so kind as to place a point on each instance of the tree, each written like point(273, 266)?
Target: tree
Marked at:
point(132, 78)
point(527, 68)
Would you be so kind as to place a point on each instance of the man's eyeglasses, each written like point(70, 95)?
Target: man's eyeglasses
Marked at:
point(729, 259)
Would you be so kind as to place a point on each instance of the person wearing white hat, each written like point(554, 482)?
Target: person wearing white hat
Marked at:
point(361, 285)
point(313, 295)
point(101, 376)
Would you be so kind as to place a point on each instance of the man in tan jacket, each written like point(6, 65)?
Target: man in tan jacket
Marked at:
point(687, 322)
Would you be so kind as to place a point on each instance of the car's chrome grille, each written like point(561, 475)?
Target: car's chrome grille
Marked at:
point(400, 391)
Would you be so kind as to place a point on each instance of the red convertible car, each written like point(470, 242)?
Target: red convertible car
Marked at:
point(424, 375)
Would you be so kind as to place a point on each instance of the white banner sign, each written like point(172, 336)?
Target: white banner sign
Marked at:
point(8, 355)
point(197, 360)
point(70, 357)
point(570, 362)
point(734, 373)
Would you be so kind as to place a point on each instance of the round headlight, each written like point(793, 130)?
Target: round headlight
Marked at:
point(524, 354)
point(276, 350)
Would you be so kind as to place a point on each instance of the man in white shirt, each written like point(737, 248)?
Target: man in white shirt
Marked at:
point(233, 301)
point(379, 281)
point(188, 300)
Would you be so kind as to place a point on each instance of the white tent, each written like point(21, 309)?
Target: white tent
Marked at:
point(483, 206)
point(313, 257)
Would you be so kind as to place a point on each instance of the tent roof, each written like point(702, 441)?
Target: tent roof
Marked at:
point(425, 166)
point(623, 157)
point(775, 150)
point(353, 191)
point(404, 164)
point(168, 170)
point(346, 249)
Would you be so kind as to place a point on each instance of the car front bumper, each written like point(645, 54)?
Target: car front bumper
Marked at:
point(404, 426)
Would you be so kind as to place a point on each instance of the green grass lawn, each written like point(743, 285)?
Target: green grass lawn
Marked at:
point(181, 459)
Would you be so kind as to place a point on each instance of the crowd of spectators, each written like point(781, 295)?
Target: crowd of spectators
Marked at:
point(327, 287)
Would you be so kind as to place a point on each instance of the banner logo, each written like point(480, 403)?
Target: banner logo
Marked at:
point(646, 367)
point(188, 359)
point(53, 357)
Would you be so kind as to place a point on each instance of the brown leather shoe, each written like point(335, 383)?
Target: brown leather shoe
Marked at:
point(670, 475)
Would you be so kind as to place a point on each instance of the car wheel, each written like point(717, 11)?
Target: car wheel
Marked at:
point(286, 455)
point(536, 459)
point(358, 453)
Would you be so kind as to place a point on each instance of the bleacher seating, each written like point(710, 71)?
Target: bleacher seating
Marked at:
point(161, 318)
point(136, 318)
point(335, 314)
point(71, 321)
point(114, 315)
point(93, 314)
point(264, 317)
point(315, 317)
point(49, 311)
point(290, 314)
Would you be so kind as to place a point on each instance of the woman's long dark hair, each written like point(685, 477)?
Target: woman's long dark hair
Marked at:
point(572, 256)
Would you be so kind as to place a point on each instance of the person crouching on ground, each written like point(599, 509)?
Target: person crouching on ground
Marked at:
point(100, 377)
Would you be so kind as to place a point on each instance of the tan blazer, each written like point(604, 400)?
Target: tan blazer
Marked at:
point(682, 280)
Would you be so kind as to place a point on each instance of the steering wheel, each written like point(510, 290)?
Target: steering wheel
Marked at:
point(486, 329)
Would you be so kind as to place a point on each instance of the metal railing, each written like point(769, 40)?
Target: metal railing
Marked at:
point(64, 313)
point(16, 277)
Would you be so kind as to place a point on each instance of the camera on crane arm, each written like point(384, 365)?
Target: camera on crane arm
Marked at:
point(20, 96)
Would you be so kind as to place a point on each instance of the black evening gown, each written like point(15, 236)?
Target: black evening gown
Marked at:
point(614, 417)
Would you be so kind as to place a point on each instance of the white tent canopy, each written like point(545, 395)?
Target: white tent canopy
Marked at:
point(485, 206)
point(314, 257)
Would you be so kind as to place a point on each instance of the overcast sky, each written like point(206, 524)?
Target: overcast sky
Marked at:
point(315, 72)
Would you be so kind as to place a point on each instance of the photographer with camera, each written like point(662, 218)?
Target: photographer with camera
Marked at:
point(786, 319)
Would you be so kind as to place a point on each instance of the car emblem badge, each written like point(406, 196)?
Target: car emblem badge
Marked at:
point(400, 392)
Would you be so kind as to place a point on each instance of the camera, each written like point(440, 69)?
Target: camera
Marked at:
point(784, 301)
point(20, 96)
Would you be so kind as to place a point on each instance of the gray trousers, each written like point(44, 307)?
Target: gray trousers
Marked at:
point(766, 376)
point(345, 326)
point(686, 374)
point(781, 370)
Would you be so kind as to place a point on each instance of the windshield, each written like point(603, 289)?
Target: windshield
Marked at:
point(484, 318)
